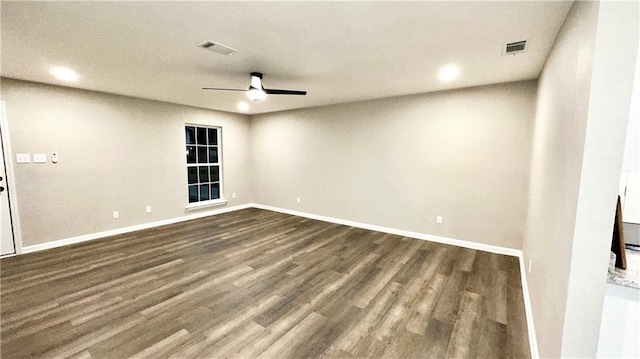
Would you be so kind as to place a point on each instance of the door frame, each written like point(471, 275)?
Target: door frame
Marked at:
point(11, 185)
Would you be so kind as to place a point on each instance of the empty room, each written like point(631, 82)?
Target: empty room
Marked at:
point(317, 179)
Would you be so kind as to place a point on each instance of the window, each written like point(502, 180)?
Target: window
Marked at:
point(203, 163)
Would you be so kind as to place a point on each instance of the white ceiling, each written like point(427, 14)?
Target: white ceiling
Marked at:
point(337, 51)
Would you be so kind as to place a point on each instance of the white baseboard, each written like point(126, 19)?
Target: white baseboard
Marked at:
point(533, 339)
point(400, 232)
point(372, 227)
point(113, 232)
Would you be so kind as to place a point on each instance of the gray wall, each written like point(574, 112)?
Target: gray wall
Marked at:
point(583, 103)
point(400, 162)
point(116, 153)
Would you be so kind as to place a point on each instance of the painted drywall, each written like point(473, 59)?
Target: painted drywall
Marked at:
point(619, 331)
point(563, 98)
point(581, 119)
point(400, 162)
point(631, 162)
point(115, 153)
point(609, 103)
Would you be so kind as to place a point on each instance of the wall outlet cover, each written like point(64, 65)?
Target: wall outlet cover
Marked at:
point(116, 214)
point(39, 158)
point(23, 158)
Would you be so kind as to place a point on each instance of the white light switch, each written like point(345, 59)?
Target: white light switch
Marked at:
point(39, 158)
point(23, 158)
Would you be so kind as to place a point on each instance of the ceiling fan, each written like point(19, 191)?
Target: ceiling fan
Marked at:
point(256, 92)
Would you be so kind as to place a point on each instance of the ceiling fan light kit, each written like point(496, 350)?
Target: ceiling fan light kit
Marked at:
point(257, 92)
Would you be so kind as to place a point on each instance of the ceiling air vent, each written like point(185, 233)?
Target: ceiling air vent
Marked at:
point(513, 48)
point(215, 47)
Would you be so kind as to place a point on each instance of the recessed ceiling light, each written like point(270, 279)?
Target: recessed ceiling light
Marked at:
point(64, 74)
point(243, 106)
point(449, 73)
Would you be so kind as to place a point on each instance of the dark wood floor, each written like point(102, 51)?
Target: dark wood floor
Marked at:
point(256, 283)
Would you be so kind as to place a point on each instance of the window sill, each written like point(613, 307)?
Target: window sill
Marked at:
point(198, 205)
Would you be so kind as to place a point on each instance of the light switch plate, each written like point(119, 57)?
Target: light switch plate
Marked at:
point(39, 158)
point(23, 158)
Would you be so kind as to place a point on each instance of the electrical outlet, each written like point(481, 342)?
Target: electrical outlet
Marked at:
point(439, 219)
point(233, 195)
point(23, 158)
point(148, 209)
point(297, 199)
point(116, 214)
point(39, 158)
point(530, 262)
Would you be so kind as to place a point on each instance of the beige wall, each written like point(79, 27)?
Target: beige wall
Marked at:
point(609, 104)
point(563, 99)
point(581, 116)
point(116, 153)
point(400, 162)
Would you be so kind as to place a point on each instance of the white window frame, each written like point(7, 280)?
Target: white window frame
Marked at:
point(211, 202)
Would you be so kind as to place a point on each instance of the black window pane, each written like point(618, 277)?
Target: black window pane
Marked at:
point(213, 136)
point(191, 154)
point(192, 174)
point(204, 192)
point(190, 133)
point(204, 174)
point(202, 154)
point(213, 154)
point(202, 135)
point(193, 193)
point(215, 190)
point(214, 173)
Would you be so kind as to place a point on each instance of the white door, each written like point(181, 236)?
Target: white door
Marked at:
point(7, 245)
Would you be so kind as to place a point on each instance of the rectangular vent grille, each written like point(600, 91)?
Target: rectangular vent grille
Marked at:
point(215, 47)
point(515, 47)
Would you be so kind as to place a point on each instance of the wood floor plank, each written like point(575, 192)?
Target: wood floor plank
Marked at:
point(437, 338)
point(424, 308)
point(231, 347)
point(449, 303)
point(492, 335)
point(255, 283)
point(466, 330)
point(163, 346)
point(361, 328)
point(303, 331)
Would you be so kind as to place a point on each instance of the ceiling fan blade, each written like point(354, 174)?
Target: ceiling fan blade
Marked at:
point(221, 89)
point(284, 92)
